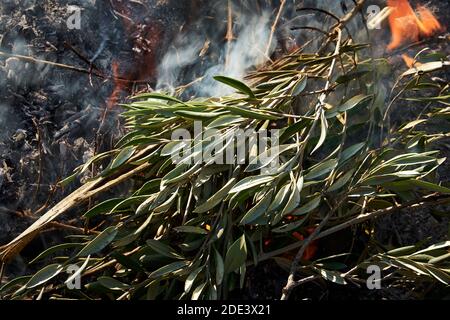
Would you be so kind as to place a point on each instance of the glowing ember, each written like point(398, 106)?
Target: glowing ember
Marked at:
point(142, 67)
point(408, 60)
point(119, 86)
point(310, 250)
point(407, 26)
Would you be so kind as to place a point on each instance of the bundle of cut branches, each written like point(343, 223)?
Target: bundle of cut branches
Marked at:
point(190, 230)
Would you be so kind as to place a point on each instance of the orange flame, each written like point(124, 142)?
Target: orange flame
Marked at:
point(311, 249)
point(408, 60)
point(407, 26)
point(118, 86)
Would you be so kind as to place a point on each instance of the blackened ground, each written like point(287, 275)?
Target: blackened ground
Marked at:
point(52, 118)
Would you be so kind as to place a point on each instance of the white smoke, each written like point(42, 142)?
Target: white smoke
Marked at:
point(185, 52)
point(246, 50)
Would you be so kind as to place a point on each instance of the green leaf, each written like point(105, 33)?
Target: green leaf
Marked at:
point(191, 229)
point(99, 242)
point(174, 147)
point(258, 210)
point(299, 86)
point(104, 207)
point(323, 131)
point(179, 173)
point(112, 284)
point(342, 181)
point(444, 257)
point(191, 279)
point(385, 178)
point(220, 267)
point(308, 207)
point(198, 291)
point(122, 157)
point(236, 84)
point(280, 198)
point(321, 169)
point(333, 276)
point(294, 199)
point(198, 115)
point(251, 182)
point(158, 96)
point(351, 151)
point(354, 102)
point(288, 227)
point(168, 269)
point(401, 251)
point(267, 157)
point(19, 281)
point(439, 275)
point(236, 255)
point(225, 121)
point(163, 249)
point(51, 250)
point(429, 186)
point(216, 198)
point(253, 113)
point(44, 275)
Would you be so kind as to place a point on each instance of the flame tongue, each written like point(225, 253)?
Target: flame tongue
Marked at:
point(406, 25)
point(428, 22)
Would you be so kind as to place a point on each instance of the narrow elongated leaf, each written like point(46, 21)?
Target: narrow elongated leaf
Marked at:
point(354, 102)
point(191, 279)
point(236, 84)
point(323, 131)
point(342, 181)
point(258, 210)
point(333, 276)
point(198, 291)
point(51, 250)
point(44, 275)
point(299, 86)
point(251, 182)
point(198, 115)
point(122, 157)
point(225, 121)
point(236, 255)
point(220, 267)
point(103, 207)
point(99, 242)
point(191, 229)
point(351, 151)
point(168, 269)
point(163, 249)
point(252, 113)
point(308, 207)
point(321, 169)
point(112, 284)
point(216, 198)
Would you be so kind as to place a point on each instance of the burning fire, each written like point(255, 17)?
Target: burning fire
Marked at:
point(410, 62)
point(142, 68)
point(118, 86)
point(407, 25)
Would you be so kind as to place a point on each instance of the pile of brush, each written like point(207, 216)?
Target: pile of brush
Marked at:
point(192, 229)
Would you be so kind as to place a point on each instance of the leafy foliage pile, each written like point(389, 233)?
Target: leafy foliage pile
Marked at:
point(191, 231)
